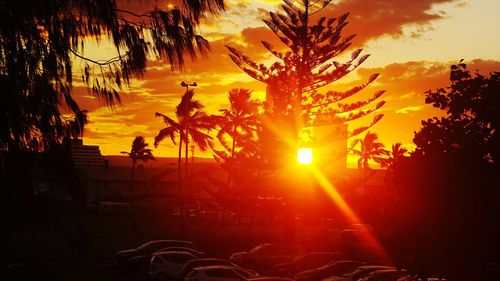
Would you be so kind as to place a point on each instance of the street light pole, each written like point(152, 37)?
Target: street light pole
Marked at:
point(186, 169)
point(186, 85)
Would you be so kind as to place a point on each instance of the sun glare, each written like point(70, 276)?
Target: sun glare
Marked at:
point(304, 155)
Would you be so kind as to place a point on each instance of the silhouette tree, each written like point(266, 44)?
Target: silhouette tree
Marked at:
point(189, 125)
point(194, 121)
point(239, 121)
point(450, 199)
point(397, 152)
point(369, 149)
point(138, 152)
point(240, 157)
point(472, 105)
point(293, 81)
point(41, 41)
point(173, 128)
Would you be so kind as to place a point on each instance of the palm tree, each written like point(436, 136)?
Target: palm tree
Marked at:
point(370, 149)
point(239, 120)
point(138, 152)
point(193, 121)
point(190, 121)
point(397, 153)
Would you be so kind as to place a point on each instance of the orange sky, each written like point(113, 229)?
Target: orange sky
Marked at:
point(412, 44)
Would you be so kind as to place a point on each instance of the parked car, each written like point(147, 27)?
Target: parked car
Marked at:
point(262, 257)
point(305, 261)
point(167, 265)
point(384, 275)
point(150, 247)
point(197, 253)
point(329, 269)
point(359, 272)
point(190, 265)
point(141, 263)
point(219, 273)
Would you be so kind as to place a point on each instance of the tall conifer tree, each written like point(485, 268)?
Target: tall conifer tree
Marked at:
point(308, 64)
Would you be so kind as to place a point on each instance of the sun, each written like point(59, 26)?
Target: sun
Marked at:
point(304, 155)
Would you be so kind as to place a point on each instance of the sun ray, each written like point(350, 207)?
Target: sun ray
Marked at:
point(372, 242)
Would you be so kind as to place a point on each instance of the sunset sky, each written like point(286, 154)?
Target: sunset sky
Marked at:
point(412, 44)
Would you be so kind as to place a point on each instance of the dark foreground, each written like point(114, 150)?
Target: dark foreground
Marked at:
point(81, 246)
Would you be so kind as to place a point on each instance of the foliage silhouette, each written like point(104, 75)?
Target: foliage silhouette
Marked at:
point(42, 45)
point(293, 100)
point(396, 154)
point(446, 215)
point(191, 120)
point(239, 121)
point(369, 149)
point(239, 156)
point(41, 41)
point(138, 152)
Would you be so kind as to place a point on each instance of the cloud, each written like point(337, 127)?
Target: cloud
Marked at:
point(463, 5)
point(409, 109)
point(406, 84)
point(376, 18)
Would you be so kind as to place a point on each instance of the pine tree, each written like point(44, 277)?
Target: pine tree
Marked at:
point(294, 79)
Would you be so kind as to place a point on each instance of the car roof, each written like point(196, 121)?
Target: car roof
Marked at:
point(152, 242)
point(162, 253)
point(374, 266)
point(165, 241)
point(211, 259)
point(179, 248)
point(382, 271)
point(269, 278)
point(216, 267)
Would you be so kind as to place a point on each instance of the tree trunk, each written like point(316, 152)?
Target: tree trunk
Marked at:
point(132, 195)
point(179, 185)
point(234, 142)
point(365, 167)
point(186, 170)
point(190, 188)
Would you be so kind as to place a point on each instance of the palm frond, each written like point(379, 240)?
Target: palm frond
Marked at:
point(164, 133)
